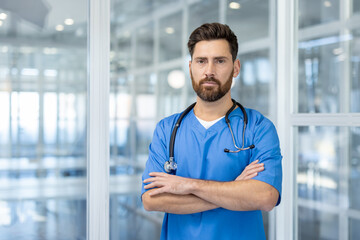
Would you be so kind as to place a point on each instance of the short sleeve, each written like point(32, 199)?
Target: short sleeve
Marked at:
point(157, 154)
point(267, 151)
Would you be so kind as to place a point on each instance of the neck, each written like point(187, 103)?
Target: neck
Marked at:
point(210, 111)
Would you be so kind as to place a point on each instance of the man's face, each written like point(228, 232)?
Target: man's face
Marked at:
point(212, 69)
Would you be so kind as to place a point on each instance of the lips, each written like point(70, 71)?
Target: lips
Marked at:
point(210, 82)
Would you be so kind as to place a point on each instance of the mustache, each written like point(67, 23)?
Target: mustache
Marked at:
point(209, 79)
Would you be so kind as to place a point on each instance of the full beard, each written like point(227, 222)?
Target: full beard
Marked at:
point(211, 93)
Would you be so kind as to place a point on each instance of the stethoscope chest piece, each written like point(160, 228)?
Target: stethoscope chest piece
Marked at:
point(170, 166)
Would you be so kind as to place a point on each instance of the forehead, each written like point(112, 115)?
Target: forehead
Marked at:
point(219, 47)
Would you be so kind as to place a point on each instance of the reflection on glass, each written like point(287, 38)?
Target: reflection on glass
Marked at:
point(43, 61)
point(253, 16)
point(355, 71)
point(315, 225)
point(319, 74)
point(317, 12)
point(251, 87)
point(318, 163)
point(170, 35)
point(355, 169)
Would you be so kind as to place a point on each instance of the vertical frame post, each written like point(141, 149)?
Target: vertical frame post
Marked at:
point(98, 120)
point(286, 42)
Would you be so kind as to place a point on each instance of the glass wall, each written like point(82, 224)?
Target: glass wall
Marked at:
point(43, 72)
point(326, 144)
point(150, 80)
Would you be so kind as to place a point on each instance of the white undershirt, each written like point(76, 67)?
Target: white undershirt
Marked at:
point(208, 124)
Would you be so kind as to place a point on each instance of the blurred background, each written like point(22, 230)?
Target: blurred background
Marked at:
point(43, 105)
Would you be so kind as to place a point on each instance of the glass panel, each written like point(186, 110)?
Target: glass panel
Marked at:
point(170, 34)
point(356, 6)
point(355, 71)
point(319, 75)
point(40, 219)
point(253, 16)
point(140, 227)
point(43, 76)
point(266, 221)
point(144, 135)
point(4, 119)
point(355, 169)
point(251, 87)
point(317, 12)
point(120, 54)
point(145, 45)
point(354, 229)
point(203, 12)
point(25, 114)
point(172, 86)
point(318, 163)
point(145, 96)
point(316, 225)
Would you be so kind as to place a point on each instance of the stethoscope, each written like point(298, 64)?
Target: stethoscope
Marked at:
point(170, 166)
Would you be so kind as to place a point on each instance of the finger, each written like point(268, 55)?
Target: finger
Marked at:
point(254, 162)
point(148, 180)
point(156, 191)
point(157, 174)
point(250, 176)
point(152, 179)
point(251, 171)
point(153, 185)
point(258, 165)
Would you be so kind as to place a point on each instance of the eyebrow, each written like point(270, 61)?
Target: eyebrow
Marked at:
point(219, 57)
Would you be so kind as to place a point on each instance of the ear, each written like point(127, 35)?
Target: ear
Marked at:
point(190, 67)
point(237, 67)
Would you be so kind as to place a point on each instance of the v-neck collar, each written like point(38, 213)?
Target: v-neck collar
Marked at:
point(217, 126)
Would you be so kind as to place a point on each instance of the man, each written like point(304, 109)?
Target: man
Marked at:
point(214, 193)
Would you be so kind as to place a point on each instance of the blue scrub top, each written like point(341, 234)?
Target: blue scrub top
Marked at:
point(199, 153)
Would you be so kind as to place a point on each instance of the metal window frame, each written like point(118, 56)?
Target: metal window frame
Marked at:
point(286, 64)
point(98, 120)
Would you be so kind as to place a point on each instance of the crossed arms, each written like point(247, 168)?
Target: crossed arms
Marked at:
point(179, 195)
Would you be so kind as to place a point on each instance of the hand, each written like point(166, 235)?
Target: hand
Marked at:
point(167, 183)
point(251, 171)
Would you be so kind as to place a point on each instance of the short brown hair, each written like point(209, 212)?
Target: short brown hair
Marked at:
point(213, 31)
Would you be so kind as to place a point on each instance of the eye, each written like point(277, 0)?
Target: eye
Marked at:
point(220, 61)
point(200, 61)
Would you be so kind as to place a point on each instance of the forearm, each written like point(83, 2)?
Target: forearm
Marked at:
point(178, 204)
point(236, 195)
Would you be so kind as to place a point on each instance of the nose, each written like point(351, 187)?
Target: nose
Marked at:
point(210, 70)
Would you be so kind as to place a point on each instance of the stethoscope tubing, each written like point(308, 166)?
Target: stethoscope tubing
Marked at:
point(170, 166)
